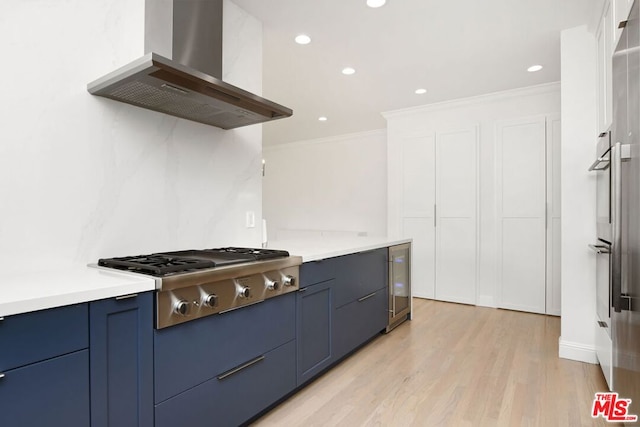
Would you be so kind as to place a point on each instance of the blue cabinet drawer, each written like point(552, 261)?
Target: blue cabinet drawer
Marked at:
point(237, 397)
point(359, 321)
point(360, 274)
point(188, 354)
point(53, 393)
point(313, 272)
point(40, 335)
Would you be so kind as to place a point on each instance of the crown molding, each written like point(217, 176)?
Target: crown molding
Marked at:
point(327, 140)
point(474, 100)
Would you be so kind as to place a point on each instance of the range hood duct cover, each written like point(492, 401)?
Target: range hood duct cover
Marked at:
point(182, 73)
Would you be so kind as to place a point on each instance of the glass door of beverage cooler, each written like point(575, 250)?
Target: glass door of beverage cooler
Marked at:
point(399, 284)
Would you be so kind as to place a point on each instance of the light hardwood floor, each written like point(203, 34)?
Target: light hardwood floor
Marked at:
point(453, 365)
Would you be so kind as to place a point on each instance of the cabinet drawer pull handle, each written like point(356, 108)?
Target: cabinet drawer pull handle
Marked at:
point(1, 318)
point(1, 375)
point(367, 296)
point(240, 368)
point(121, 297)
point(302, 290)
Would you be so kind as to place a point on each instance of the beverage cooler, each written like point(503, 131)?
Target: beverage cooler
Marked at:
point(399, 285)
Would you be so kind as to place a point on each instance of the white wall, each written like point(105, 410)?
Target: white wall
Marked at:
point(83, 177)
point(578, 63)
point(484, 111)
point(327, 187)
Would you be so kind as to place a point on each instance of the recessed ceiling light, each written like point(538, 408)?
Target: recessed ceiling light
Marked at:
point(534, 68)
point(348, 71)
point(322, 118)
point(303, 39)
point(376, 3)
point(421, 91)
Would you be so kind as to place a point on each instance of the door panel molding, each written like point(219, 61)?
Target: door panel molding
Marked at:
point(521, 176)
point(456, 194)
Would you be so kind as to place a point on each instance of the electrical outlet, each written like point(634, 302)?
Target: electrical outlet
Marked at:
point(251, 219)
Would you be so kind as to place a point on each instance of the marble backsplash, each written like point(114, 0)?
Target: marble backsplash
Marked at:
point(84, 177)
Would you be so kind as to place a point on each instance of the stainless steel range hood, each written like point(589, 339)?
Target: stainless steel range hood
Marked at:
point(181, 74)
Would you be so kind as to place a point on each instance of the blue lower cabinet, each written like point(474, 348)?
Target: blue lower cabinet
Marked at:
point(359, 321)
point(121, 363)
point(233, 396)
point(193, 352)
point(360, 274)
point(372, 268)
point(313, 272)
point(35, 336)
point(313, 335)
point(52, 393)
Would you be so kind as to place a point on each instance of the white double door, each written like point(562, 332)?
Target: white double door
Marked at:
point(439, 202)
point(439, 211)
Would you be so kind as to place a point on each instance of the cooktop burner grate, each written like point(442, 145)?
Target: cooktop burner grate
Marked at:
point(168, 263)
point(248, 253)
point(156, 264)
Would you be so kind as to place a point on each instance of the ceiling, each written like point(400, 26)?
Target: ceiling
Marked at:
point(454, 49)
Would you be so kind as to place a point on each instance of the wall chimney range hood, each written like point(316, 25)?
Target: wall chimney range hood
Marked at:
point(181, 74)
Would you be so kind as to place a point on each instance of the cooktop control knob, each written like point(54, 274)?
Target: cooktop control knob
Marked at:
point(289, 280)
point(244, 291)
point(210, 300)
point(272, 285)
point(181, 307)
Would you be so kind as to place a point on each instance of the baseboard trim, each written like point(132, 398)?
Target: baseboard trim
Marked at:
point(421, 295)
point(486, 301)
point(577, 351)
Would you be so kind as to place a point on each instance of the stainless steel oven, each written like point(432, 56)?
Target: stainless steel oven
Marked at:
point(603, 248)
point(602, 167)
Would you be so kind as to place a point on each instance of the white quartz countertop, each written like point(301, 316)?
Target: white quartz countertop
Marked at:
point(39, 290)
point(314, 249)
point(22, 292)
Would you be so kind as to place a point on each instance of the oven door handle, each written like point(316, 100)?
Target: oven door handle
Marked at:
point(601, 163)
point(619, 153)
point(600, 249)
point(616, 217)
point(604, 152)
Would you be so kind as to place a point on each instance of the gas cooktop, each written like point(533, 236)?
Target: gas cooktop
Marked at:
point(195, 283)
point(167, 263)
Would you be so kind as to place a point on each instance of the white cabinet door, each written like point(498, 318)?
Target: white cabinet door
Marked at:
point(417, 209)
point(456, 205)
point(418, 175)
point(439, 177)
point(521, 203)
point(620, 13)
